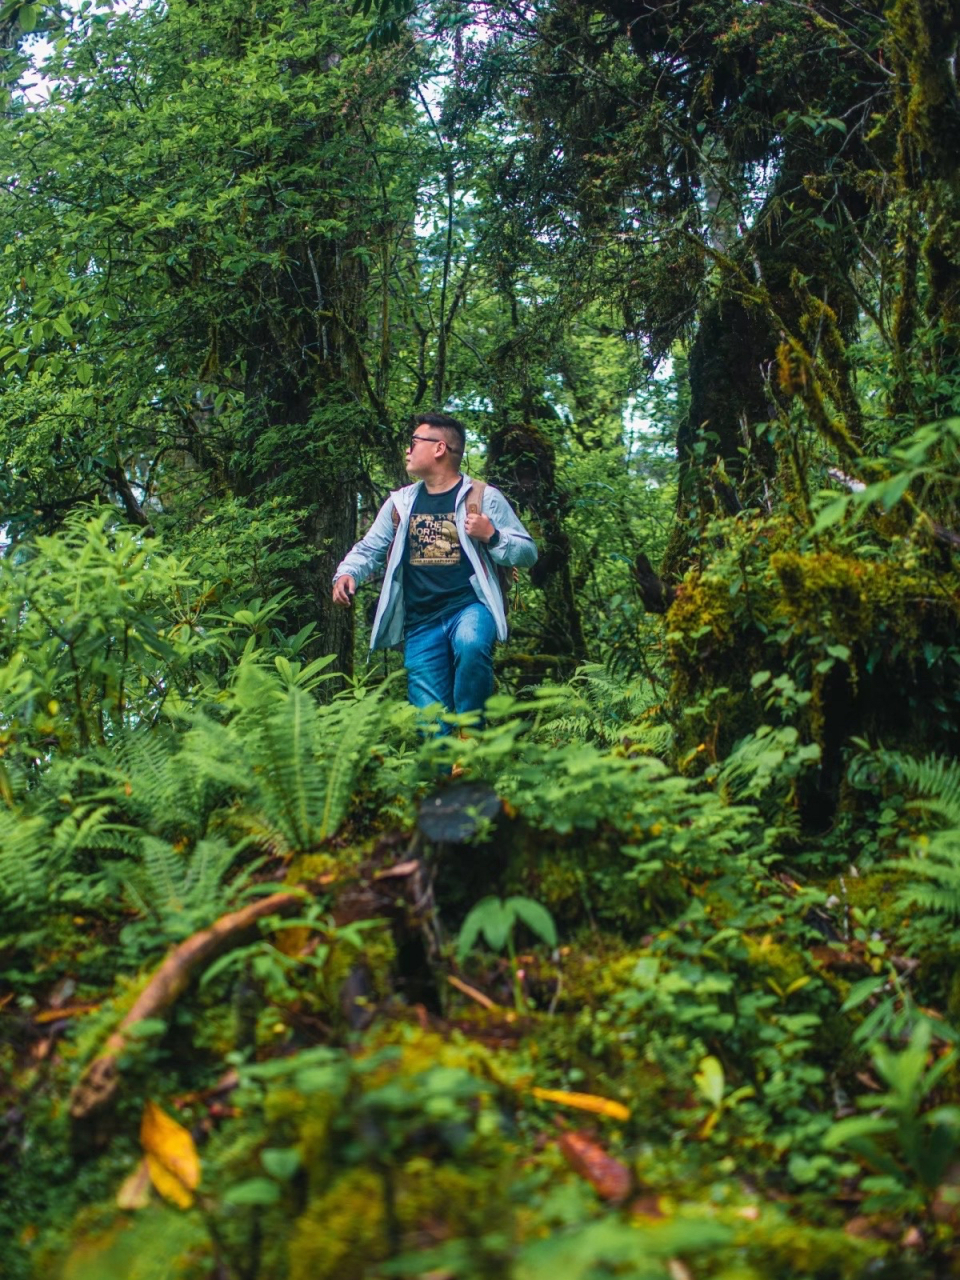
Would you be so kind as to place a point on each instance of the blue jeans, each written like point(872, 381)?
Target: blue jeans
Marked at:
point(450, 661)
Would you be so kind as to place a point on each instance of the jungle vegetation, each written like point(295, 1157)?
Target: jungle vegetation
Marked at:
point(664, 985)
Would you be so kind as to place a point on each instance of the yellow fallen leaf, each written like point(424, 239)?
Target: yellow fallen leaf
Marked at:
point(171, 1156)
point(583, 1102)
point(134, 1192)
point(168, 1184)
point(708, 1126)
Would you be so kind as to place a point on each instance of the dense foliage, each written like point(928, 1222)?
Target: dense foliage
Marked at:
point(663, 984)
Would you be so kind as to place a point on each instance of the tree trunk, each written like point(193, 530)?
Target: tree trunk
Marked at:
point(520, 462)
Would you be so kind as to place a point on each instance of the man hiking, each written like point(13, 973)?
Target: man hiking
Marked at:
point(441, 540)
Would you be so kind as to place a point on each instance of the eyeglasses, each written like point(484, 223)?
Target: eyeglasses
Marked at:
point(432, 440)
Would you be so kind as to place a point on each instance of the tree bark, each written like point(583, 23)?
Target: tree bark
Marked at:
point(521, 463)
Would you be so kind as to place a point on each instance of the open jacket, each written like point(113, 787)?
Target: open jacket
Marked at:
point(380, 547)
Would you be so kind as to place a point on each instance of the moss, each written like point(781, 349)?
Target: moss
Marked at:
point(868, 892)
point(854, 599)
point(840, 627)
point(582, 879)
point(158, 1243)
point(779, 964)
point(440, 1202)
point(778, 1246)
point(343, 1232)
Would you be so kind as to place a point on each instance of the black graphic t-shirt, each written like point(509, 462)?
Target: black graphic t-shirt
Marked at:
point(436, 572)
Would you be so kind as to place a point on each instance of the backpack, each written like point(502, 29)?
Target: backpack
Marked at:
point(506, 578)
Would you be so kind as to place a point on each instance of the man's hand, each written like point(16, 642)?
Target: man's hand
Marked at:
point(344, 589)
point(480, 527)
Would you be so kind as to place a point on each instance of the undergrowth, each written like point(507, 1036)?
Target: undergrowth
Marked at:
point(741, 1020)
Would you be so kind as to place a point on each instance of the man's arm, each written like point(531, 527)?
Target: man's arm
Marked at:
point(511, 544)
point(368, 556)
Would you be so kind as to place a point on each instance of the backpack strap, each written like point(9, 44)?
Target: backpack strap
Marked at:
point(506, 578)
point(475, 501)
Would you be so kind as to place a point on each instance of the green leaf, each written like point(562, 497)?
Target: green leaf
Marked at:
point(710, 1080)
point(489, 918)
point(831, 514)
point(847, 1131)
point(536, 917)
point(281, 1162)
point(253, 1191)
point(861, 991)
point(145, 1029)
point(894, 489)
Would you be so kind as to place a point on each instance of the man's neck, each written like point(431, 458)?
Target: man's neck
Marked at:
point(441, 483)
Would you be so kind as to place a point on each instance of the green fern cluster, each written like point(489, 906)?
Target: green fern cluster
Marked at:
point(600, 707)
point(165, 821)
point(930, 874)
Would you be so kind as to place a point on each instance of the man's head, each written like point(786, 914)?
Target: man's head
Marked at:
point(436, 445)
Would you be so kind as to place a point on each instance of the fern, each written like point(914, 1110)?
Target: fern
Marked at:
point(179, 892)
point(597, 706)
point(360, 724)
point(24, 862)
point(931, 871)
point(934, 781)
point(307, 759)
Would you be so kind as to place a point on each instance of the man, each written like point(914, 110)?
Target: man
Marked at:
point(440, 594)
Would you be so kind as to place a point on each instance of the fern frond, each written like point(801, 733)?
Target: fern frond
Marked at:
point(931, 893)
point(182, 891)
point(91, 827)
point(361, 722)
point(306, 758)
point(933, 782)
point(24, 862)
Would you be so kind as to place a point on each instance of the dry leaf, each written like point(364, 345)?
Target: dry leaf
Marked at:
point(678, 1270)
point(171, 1156)
point(870, 1228)
point(134, 1192)
point(583, 1102)
point(168, 1184)
point(69, 1011)
point(647, 1206)
point(608, 1176)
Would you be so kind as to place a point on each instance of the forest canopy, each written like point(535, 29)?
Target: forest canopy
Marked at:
point(652, 973)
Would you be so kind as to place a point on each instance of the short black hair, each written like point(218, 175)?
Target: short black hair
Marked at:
point(449, 426)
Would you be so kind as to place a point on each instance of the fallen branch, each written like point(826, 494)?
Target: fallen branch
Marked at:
point(472, 992)
point(99, 1082)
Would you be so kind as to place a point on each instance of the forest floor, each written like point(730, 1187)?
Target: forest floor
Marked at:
point(505, 1035)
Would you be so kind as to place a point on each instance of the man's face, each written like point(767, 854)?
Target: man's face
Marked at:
point(422, 452)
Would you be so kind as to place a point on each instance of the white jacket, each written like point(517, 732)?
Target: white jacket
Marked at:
point(379, 546)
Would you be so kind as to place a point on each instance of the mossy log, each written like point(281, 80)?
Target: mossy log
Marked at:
point(98, 1084)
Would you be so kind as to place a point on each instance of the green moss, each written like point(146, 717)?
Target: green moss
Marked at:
point(158, 1243)
point(777, 1246)
point(440, 1202)
point(854, 599)
point(781, 965)
point(343, 1232)
point(581, 879)
point(872, 891)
